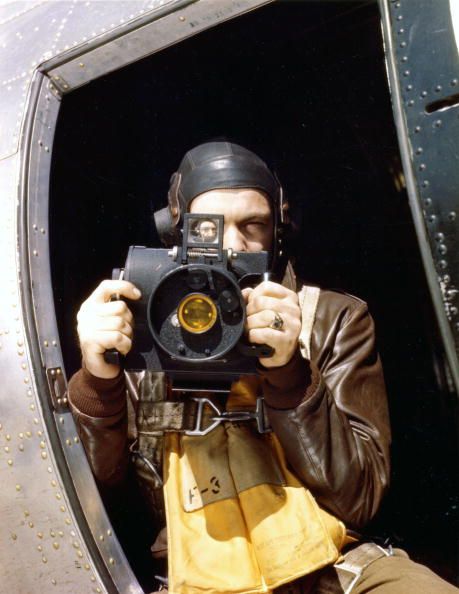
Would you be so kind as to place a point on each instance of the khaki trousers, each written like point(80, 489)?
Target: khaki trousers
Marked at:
point(388, 573)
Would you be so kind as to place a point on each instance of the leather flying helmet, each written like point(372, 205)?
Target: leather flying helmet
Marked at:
point(220, 165)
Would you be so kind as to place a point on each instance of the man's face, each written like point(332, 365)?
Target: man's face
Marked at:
point(208, 230)
point(248, 217)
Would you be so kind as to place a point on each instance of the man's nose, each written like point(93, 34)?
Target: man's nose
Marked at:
point(234, 239)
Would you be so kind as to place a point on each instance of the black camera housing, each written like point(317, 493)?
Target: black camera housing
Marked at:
point(199, 268)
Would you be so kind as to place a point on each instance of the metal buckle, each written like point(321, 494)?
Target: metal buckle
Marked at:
point(234, 416)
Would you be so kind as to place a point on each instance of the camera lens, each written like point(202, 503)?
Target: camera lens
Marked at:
point(197, 313)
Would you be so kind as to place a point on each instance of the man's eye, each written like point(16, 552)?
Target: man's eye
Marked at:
point(255, 225)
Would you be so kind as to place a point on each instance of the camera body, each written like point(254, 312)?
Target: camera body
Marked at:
point(190, 319)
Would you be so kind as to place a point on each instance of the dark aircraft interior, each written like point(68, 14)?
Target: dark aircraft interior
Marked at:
point(303, 84)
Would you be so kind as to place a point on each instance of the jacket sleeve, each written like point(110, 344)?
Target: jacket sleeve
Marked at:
point(331, 415)
point(99, 408)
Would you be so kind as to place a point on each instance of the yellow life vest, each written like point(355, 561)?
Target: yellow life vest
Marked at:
point(238, 520)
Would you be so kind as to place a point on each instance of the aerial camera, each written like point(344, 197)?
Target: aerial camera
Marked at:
point(190, 319)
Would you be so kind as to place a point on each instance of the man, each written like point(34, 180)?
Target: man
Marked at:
point(246, 512)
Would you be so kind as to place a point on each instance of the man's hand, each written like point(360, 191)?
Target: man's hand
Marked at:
point(263, 303)
point(104, 324)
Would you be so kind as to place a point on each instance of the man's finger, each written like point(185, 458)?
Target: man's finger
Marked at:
point(108, 288)
point(270, 289)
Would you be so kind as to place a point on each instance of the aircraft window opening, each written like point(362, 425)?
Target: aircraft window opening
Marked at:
point(293, 92)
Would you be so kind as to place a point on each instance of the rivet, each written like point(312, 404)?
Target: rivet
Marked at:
point(424, 94)
point(452, 215)
point(62, 508)
point(10, 462)
point(409, 87)
point(401, 31)
point(14, 536)
point(61, 534)
point(432, 218)
point(438, 123)
point(54, 343)
point(42, 231)
point(93, 579)
point(403, 44)
point(32, 406)
point(26, 513)
point(454, 82)
point(26, 381)
point(87, 567)
point(53, 483)
point(44, 455)
point(101, 537)
point(68, 442)
point(80, 554)
point(439, 236)
point(98, 590)
point(67, 521)
point(46, 343)
point(35, 421)
point(40, 433)
point(76, 440)
point(28, 434)
point(53, 372)
point(66, 86)
point(8, 437)
point(7, 449)
point(64, 401)
point(406, 73)
point(111, 561)
point(405, 59)
point(442, 249)
point(61, 420)
point(58, 496)
point(18, 487)
point(72, 533)
point(422, 167)
point(81, 65)
point(42, 445)
point(56, 545)
point(44, 559)
point(23, 366)
point(411, 102)
point(76, 544)
point(31, 524)
point(109, 532)
point(50, 470)
point(35, 253)
point(417, 129)
point(20, 343)
point(47, 149)
point(419, 150)
point(39, 548)
point(53, 581)
point(182, 19)
point(20, 353)
point(21, 447)
point(400, 17)
point(443, 264)
point(438, 88)
point(425, 183)
point(40, 534)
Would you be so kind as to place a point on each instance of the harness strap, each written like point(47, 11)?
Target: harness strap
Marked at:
point(194, 416)
point(342, 577)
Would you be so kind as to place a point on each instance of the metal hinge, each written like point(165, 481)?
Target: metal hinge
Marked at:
point(58, 388)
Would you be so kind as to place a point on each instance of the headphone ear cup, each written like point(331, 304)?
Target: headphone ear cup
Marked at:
point(168, 232)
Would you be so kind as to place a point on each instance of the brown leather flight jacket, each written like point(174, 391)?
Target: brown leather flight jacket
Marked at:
point(330, 414)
